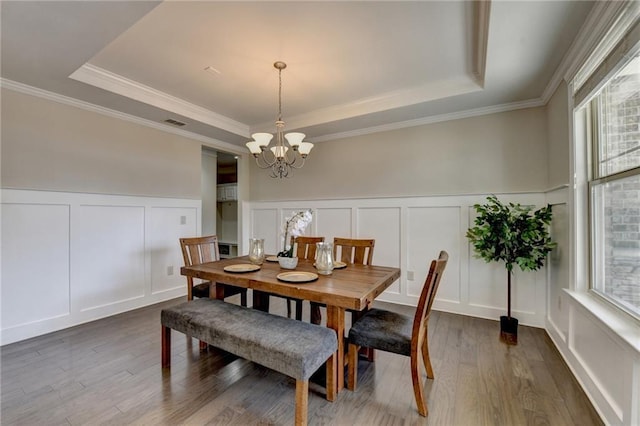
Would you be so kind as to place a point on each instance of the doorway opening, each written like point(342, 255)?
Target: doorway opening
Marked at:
point(220, 199)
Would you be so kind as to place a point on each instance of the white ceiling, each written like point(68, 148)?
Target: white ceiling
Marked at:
point(351, 65)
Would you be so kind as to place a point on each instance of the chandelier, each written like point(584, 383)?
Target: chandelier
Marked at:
point(282, 157)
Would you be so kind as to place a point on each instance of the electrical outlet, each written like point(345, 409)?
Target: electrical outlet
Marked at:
point(410, 275)
point(169, 270)
point(183, 220)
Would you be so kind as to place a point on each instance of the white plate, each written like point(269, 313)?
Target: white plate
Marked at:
point(272, 259)
point(337, 265)
point(242, 267)
point(297, 277)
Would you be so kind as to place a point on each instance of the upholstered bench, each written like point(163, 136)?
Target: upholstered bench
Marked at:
point(294, 348)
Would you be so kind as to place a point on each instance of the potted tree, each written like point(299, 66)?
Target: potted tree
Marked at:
point(515, 234)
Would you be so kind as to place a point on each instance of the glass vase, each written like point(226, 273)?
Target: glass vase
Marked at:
point(324, 258)
point(256, 251)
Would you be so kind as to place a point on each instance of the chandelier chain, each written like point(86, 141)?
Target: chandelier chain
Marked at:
point(279, 94)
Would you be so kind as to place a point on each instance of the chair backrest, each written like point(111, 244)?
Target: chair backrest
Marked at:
point(197, 250)
point(306, 246)
point(354, 251)
point(427, 296)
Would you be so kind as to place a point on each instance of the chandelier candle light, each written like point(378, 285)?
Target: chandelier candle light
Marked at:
point(279, 158)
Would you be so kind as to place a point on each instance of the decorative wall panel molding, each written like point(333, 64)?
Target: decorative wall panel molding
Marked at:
point(409, 232)
point(70, 258)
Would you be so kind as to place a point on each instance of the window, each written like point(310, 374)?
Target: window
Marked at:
point(615, 189)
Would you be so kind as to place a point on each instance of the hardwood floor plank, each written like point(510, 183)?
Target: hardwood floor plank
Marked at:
point(467, 407)
point(108, 372)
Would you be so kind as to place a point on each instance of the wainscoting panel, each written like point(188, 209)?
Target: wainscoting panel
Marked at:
point(35, 263)
point(558, 304)
point(429, 230)
point(383, 224)
point(331, 223)
point(605, 360)
point(70, 258)
point(166, 226)
point(408, 233)
point(109, 255)
point(264, 224)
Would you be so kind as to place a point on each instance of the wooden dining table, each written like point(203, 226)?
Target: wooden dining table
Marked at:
point(354, 287)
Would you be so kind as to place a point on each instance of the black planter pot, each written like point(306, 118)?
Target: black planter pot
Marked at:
point(509, 330)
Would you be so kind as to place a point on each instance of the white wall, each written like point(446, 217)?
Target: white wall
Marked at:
point(558, 140)
point(92, 209)
point(504, 152)
point(409, 233)
point(209, 186)
point(52, 146)
point(70, 258)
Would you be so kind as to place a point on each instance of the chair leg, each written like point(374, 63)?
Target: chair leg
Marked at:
point(417, 384)
point(426, 359)
point(302, 401)
point(370, 354)
point(352, 360)
point(316, 316)
point(190, 289)
point(299, 310)
point(243, 298)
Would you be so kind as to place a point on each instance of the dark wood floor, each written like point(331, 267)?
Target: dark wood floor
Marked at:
point(108, 372)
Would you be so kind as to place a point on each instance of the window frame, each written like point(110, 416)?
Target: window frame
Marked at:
point(595, 180)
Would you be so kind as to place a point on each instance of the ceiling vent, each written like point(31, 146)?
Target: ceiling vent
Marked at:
point(174, 122)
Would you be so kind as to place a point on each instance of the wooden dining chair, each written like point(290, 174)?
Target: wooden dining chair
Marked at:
point(400, 334)
point(353, 251)
point(304, 248)
point(197, 250)
point(350, 251)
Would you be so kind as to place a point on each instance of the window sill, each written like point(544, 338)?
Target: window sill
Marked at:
point(619, 323)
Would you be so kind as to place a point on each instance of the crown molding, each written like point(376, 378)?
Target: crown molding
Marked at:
point(55, 97)
point(386, 101)
point(532, 103)
point(481, 17)
point(104, 79)
point(600, 18)
point(235, 149)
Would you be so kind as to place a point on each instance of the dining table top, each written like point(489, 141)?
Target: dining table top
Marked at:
point(352, 287)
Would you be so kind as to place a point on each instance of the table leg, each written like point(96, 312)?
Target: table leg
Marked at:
point(261, 300)
point(335, 320)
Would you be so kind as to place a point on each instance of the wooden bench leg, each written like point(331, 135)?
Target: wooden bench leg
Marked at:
point(302, 401)
point(166, 347)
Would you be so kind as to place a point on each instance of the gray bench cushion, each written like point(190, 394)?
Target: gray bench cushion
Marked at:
point(385, 330)
point(290, 347)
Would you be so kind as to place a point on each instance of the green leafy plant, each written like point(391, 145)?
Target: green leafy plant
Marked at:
point(512, 233)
